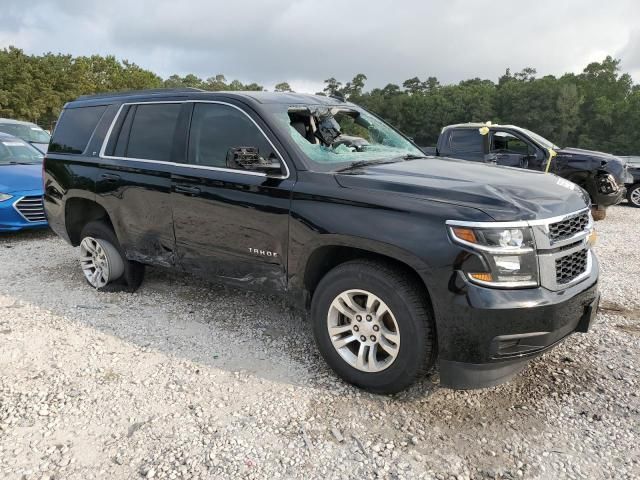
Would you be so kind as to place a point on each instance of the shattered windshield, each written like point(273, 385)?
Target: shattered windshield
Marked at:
point(332, 137)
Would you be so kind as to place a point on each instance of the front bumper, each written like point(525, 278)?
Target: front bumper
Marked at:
point(610, 193)
point(490, 335)
point(11, 219)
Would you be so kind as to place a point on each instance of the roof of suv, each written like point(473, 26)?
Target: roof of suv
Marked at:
point(287, 98)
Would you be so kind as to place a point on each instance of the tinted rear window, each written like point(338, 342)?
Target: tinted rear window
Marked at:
point(466, 140)
point(74, 129)
point(152, 130)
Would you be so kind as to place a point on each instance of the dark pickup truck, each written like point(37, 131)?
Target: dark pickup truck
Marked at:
point(401, 259)
point(602, 175)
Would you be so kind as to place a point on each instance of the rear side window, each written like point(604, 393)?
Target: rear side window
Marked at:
point(152, 131)
point(467, 140)
point(74, 129)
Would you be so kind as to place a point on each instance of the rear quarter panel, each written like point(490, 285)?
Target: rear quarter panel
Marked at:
point(68, 176)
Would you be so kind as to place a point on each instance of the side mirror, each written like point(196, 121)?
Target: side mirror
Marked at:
point(248, 158)
point(491, 158)
point(429, 150)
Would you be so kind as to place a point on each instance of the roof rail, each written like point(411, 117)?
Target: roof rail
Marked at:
point(130, 93)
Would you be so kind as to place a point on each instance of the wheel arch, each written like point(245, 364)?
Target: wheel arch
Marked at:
point(79, 212)
point(323, 258)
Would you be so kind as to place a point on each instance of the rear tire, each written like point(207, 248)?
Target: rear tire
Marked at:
point(633, 195)
point(104, 263)
point(386, 339)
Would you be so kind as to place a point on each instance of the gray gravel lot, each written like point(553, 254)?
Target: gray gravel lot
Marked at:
point(186, 379)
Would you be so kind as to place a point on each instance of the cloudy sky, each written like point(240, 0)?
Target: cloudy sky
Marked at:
point(307, 41)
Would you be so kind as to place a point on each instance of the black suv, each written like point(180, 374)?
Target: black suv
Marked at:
point(401, 259)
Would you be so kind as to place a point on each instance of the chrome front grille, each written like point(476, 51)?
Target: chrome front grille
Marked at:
point(563, 249)
point(31, 209)
point(569, 227)
point(571, 266)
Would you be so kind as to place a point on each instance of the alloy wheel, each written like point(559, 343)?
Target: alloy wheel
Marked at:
point(363, 330)
point(635, 197)
point(100, 262)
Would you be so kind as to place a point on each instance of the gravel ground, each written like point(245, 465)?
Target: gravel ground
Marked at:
point(186, 379)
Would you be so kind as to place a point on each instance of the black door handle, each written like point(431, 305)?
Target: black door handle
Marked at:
point(110, 177)
point(189, 190)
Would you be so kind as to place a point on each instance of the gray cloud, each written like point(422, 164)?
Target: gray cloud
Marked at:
point(306, 41)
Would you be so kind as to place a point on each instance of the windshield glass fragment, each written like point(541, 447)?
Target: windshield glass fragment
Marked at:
point(332, 137)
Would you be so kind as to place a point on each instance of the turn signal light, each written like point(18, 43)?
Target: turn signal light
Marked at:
point(465, 234)
point(484, 277)
point(593, 237)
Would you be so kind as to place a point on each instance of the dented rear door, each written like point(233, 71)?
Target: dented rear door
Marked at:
point(134, 184)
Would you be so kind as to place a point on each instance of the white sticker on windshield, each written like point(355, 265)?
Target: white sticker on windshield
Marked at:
point(36, 128)
point(566, 184)
point(13, 144)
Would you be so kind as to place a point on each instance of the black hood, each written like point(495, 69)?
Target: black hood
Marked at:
point(503, 193)
point(591, 160)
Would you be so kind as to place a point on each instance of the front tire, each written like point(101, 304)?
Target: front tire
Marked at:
point(598, 213)
point(373, 326)
point(103, 262)
point(633, 195)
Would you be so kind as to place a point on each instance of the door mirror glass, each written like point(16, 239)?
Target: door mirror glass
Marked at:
point(248, 158)
point(491, 158)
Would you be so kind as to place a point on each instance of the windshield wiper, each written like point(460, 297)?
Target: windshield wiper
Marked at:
point(366, 163)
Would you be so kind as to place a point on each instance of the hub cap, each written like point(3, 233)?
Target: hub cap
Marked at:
point(635, 197)
point(100, 261)
point(363, 330)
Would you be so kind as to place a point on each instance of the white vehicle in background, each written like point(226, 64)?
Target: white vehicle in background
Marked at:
point(27, 131)
point(633, 186)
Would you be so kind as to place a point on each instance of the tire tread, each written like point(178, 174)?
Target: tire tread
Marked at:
point(414, 296)
point(133, 271)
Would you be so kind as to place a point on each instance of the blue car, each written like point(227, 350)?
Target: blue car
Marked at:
point(20, 185)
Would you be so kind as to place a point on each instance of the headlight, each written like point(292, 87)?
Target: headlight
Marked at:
point(508, 254)
point(5, 196)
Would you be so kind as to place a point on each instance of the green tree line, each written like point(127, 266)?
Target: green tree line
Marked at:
point(597, 109)
point(35, 87)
